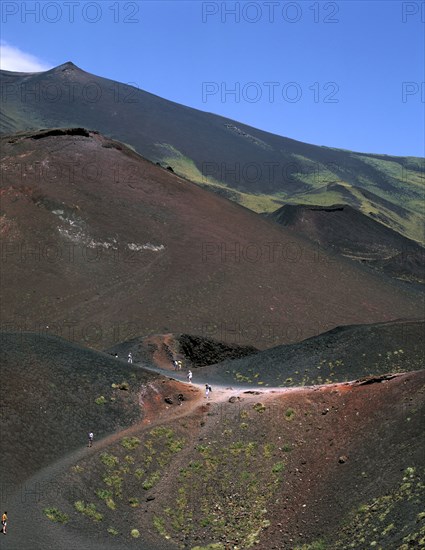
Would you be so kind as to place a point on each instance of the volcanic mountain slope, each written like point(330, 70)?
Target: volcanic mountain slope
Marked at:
point(347, 231)
point(342, 354)
point(246, 164)
point(54, 393)
point(394, 215)
point(103, 246)
point(193, 351)
point(275, 470)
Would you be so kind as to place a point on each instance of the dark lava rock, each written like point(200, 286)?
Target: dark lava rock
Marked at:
point(234, 398)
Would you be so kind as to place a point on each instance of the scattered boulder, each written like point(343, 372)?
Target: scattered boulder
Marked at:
point(342, 459)
point(374, 379)
point(168, 400)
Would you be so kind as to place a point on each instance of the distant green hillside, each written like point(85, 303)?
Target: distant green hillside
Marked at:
point(259, 170)
point(396, 215)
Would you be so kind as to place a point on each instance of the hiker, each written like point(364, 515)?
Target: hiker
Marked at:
point(180, 364)
point(189, 376)
point(176, 364)
point(90, 439)
point(130, 357)
point(208, 389)
point(116, 355)
point(4, 523)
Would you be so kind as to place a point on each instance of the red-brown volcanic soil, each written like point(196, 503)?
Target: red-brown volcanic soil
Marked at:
point(348, 443)
point(101, 246)
point(192, 351)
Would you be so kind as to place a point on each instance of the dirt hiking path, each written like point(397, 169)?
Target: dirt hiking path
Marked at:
point(30, 530)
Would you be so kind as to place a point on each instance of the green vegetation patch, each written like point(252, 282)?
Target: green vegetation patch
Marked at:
point(289, 414)
point(151, 480)
point(224, 490)
point(125, 386)
point(101, 400)
point(393, 520)
point(278, 467)
point(88, 510)
point(181, 165)
point(130, 443)
point(55, 515)
point(134, 502)
point(110, 461)
point(107, 496)
point(159, 525)
point(259, 407)
point(129, 469)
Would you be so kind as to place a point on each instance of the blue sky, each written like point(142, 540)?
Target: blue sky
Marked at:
point(344, 74)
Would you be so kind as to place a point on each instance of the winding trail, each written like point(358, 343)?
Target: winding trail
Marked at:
point(30, 530)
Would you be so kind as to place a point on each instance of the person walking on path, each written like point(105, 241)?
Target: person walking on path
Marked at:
point(189, 376)
point(130, 357)
point(90, 439)
point(4, 523)
point(208, 389)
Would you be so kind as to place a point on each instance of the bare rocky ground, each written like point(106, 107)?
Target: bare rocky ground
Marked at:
point(191, 350)
point(339, 355)
point(351, 233)
point(93, 234)
point(332, 466)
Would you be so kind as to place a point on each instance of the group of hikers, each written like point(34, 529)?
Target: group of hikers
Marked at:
point(208, 388)
point(178, 365)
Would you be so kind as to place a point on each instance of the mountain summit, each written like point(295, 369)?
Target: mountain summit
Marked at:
point(256, 168)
